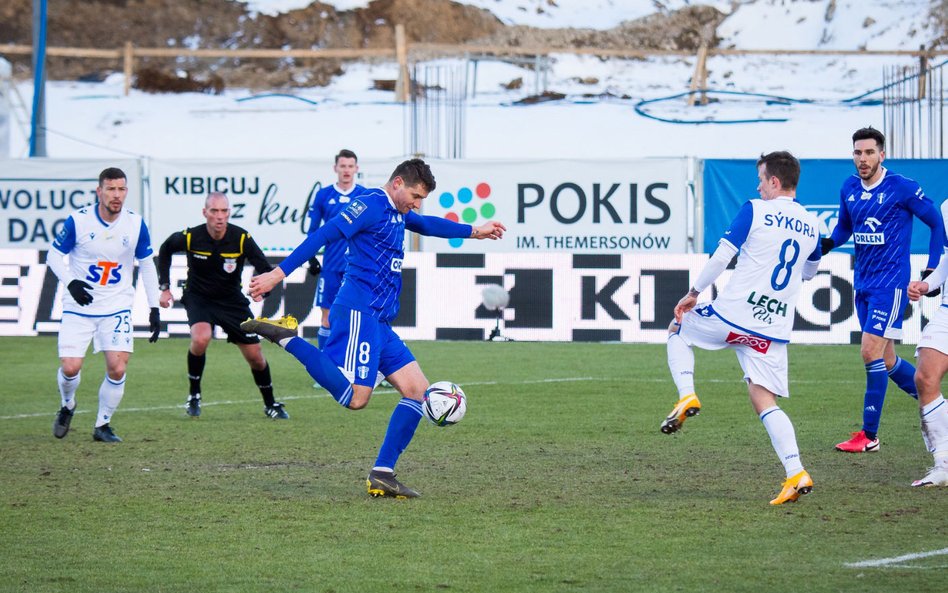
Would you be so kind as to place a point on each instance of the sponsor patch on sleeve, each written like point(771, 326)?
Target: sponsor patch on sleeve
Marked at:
point(355, 209)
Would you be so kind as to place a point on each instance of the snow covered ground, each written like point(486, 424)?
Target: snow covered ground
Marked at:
point(592, 122)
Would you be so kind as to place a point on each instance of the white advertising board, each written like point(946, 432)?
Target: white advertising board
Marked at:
point(553, 297)
point(36, 196)
point(271, 199)
point(565, 206)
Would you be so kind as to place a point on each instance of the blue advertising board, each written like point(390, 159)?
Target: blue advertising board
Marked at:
point(730, 183)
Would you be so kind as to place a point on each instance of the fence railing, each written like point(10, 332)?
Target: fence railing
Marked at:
point(404, 52)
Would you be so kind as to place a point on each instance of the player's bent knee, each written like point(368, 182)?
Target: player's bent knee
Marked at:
point(357, 405)
point(360, 399)
point(71, 370)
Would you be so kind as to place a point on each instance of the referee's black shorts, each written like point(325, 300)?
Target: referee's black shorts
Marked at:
point(227, 314)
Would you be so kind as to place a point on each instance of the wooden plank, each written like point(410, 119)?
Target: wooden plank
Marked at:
point(426, 49)
point(699, 75)
point(128, 65)
point(403, 82)
point(169, 52)
point(67, 52)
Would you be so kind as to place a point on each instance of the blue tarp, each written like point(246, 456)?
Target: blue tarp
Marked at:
point(730, 183)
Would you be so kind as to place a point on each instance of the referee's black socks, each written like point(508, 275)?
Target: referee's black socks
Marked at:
point(195, 371)
point(264, 384)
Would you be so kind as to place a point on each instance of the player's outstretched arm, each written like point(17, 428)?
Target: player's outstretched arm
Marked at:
point(717, 263)
point(264, 283)
point(489, 230)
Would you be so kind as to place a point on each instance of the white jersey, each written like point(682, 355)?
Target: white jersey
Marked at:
point(774, 238)
point(103, 255)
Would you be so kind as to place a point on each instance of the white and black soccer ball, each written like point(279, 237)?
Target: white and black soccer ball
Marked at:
point(445, 404)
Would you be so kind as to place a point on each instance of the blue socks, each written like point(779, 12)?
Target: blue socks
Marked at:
point(401, 429)
point(405, 416)
point(322, 335)
point(877, 380)
point(903, 373)
point(323, 370)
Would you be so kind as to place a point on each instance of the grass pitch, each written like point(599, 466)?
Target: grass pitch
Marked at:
point(558, 479)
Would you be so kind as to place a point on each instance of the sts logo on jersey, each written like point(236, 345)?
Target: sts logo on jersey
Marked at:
point(105, 273)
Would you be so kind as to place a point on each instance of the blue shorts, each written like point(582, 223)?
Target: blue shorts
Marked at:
point(327, 288)
point(880, 311)
point(365, 349)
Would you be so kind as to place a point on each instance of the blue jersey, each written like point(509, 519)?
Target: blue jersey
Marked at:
point(328, 202)
point(879, 218)
point(375, 231)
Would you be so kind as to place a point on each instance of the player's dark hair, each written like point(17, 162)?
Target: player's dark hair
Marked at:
point(111, 173)
point(413, 172)
point(782, 165)
point(870, 133)
point(345, 153)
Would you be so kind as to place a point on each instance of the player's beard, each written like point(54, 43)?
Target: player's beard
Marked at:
point(867, 174)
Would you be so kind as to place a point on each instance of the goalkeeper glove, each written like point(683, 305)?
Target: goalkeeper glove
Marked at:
point(154, 324)
point(826, 245)
point(314, 266)
point(925, 274)
point(79, 291)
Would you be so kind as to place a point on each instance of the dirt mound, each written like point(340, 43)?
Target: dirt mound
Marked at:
point(684, 29)
point(227, 24)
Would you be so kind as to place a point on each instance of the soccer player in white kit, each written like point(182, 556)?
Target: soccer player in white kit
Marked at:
point(932, 353)
point(777, 244)
point(102, 240)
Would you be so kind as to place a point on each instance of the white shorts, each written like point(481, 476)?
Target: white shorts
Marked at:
point(935, 334)
point(763, 361)
point(109, 333)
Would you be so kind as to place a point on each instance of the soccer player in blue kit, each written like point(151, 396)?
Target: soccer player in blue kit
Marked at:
point(328, 202)
point(876, 207)
point(362, 348)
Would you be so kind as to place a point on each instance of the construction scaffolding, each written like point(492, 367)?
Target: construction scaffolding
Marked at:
point(913, 99)
point(436, 111)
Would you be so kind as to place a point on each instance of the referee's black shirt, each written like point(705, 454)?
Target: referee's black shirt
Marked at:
point(214, 267)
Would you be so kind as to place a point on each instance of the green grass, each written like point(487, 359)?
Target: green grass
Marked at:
point(558, 479)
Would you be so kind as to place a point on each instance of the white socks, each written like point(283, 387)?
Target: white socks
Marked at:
point(110, 395)
point(681, 363)
point(67, 388)
point(935, 429)
point(783, 439)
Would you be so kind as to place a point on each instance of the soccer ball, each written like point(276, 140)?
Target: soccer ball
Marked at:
point(444, 404)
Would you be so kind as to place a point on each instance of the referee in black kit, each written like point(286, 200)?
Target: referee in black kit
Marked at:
point(216, 254)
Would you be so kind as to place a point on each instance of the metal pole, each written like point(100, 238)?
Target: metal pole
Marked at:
point(38, 119)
